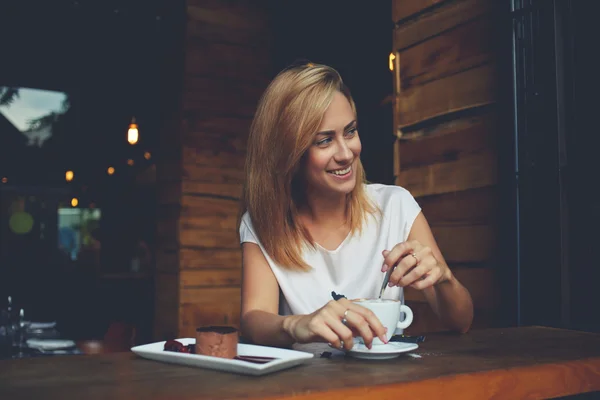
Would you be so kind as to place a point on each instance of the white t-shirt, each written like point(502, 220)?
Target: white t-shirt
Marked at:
point(354, 268)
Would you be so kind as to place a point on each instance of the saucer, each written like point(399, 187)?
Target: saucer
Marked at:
point(381, 352)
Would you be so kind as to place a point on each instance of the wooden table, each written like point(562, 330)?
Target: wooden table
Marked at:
point(512, 363)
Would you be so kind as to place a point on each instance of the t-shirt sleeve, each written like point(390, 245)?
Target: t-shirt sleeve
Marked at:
point(246, 230)
point(409, 209)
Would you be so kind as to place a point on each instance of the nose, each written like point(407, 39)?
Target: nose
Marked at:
point(343, 153)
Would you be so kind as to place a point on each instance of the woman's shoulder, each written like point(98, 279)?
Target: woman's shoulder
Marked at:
point(388, 194)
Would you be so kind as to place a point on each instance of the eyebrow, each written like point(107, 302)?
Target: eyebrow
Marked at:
point(331, 132)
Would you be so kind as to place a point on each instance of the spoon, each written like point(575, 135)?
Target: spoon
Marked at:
point(386, 280)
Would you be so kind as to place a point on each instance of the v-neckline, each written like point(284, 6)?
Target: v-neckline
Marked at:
point(339, 245)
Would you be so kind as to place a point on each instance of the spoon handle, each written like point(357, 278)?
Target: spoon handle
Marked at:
point(386, 280)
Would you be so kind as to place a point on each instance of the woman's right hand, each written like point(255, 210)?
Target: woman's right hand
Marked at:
point(337, 323)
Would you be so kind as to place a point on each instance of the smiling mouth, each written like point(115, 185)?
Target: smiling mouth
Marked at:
point(341, 172)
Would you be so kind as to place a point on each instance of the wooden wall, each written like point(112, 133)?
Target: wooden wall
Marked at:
point(226, 67)
point(447, 108)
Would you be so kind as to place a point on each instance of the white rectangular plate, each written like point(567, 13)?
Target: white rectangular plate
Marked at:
point(285, 358)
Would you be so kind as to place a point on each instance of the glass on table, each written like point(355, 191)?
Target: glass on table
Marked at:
point(20, 335)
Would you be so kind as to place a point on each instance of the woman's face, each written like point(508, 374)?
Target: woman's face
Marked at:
point(331, 160)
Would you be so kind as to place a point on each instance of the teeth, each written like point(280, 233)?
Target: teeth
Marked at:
point(341, 171)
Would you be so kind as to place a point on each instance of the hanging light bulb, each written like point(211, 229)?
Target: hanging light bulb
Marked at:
point(69, 176)
point(74, 202)
point(130, 162)
point(147, 155)
point(133, 134)
point(110, 170)
point(4, 179)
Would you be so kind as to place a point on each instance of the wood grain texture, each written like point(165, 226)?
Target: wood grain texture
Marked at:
point(466, 243)
point(468, 89)
point(221, 96)
point(209, 278)
point(467, 207)
point(511, 363)
point(203, 257)
point(208, 306)
point(226, 61)
point(475, 171)
point(463, 47)
point(402, 9)
point(438, 20)
point(226, 66)
point(448, 141)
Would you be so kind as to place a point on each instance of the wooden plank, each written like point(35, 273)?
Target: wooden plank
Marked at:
point(205, 206)
point(448, 141)
point(402, 9)
point(208, 306)
point(470, 172)
point(229, 127)
point(466, 244)
point(216, 143)
point(221, 97)
point(205, 277)
point(233, 190)
point(468, 89)
point(200, 173)
point(459, 49)
point(480, 282)
point(439, 20)
point(467, 207)
point(210, 157)
point(193, 257)
point(227, 61)
point(192, 236)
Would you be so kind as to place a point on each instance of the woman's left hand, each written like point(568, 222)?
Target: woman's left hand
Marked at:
point(416, 266)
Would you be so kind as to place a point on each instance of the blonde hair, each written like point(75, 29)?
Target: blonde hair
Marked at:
point(287, 118)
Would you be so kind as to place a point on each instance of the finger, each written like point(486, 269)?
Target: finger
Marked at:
point(362, 327)
point(396, 254)
point(384, 267)
point(342, 331)
point(414, 275)
point(406, 264)
point(371, 319)
point(327, 335)
point(427, 281)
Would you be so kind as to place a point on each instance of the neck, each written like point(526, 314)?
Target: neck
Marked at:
point(326, 210)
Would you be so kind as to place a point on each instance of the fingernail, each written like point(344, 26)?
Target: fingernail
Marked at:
point(383, 338)
point(384, 268)
point(391, 284)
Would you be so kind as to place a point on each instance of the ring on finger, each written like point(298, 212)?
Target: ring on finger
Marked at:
point(416, 258)
point(344, 320)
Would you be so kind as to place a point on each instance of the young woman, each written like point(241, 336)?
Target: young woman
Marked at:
point(310, 224)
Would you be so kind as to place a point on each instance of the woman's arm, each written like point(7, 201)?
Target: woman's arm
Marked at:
point(337, 322)
point(260, 301)
point(428, 272)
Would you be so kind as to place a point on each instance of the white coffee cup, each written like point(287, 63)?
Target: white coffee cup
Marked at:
point(389, 312)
